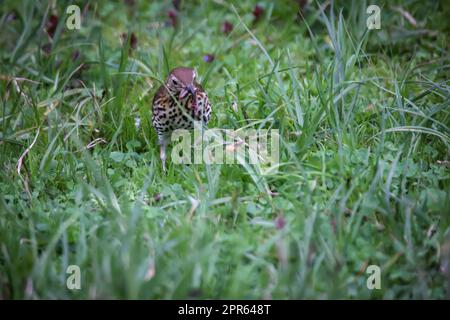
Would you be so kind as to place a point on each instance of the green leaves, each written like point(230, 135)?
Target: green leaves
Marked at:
point(364, 147)
point(117, 156)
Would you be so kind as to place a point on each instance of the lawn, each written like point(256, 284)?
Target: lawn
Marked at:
point(363, 178)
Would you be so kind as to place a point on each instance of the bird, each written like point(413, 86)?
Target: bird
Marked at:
point(177, 103)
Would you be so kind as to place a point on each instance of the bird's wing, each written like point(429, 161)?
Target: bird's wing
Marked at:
point(161, 91)
point(199, 86)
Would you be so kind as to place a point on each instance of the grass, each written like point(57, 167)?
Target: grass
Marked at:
point(363, 117)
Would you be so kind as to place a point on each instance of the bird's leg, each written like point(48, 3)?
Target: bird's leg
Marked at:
point(162, 152)
point(162, 155)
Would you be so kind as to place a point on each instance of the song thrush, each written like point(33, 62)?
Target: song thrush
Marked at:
point(179, 102)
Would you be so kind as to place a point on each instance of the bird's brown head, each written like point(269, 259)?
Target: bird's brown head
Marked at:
point(181, 81)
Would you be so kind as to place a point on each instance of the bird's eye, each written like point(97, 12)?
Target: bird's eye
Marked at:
point(174, 81)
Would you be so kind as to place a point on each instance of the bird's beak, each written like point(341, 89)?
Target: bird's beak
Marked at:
point(190, 89)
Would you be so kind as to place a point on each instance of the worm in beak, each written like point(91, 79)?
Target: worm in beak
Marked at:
point(190, 89)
